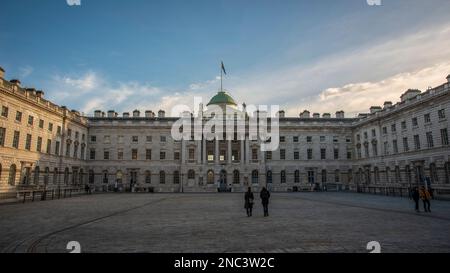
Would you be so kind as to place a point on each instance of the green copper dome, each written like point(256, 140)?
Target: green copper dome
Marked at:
point(222, 98)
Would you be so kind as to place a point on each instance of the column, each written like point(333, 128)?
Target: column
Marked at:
point(199, 151)
point(216, 151)
point(229, 151)
point(204, 159)
point(247, 151)
point(241, 158)
point(183, 152)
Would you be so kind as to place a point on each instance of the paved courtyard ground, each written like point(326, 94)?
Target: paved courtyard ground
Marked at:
point(298, 222)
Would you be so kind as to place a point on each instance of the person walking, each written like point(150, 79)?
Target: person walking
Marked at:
point(249, 201)
point(425, 196)
point(265, 195)
point(415, 196)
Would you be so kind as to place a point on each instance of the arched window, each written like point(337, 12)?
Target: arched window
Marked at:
point(388, 175)
point(337, 176)
point(269, 177)
point(66, 176)
point(433, 173)
point(283, 177)
point(46, 175)
point(376, 174)
point(36, 175)
point(91, 177)
point(105, 177)
point(297, 176)
point(191, 174)
point(408, 174)
point(398, 177)
point(12, 175)
point(148, 177)
point(55, 176)
point(324, 176)
point(210, 177)
point(236, 177)
point(447, 172)
point(162, 177)
point(119, 176)
point(255, 177)
point(81, 178)
point(176, 177)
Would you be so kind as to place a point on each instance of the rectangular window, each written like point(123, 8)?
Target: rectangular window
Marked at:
point(405, 144)
point(375, 149)
point(106, 154)
point(384, 130)
point(16, 139)
point(323, 154)
point(414, 122)
point(335, 139)
point(393, 128)
point(2, 136)
point(417, 142)
point(282, 154)
point(444, 136)
point(254, 154)
point(309, 139)
point(309, 154)
point(385, 148)
point(282, 139)
point(92, 154)
point(349, 155)
point(134, 139)
point(323, 138)
point(430, 141)
point(77, 135)
point(441, 114)
point(366, 135)
point(427, 118)
point(192, 154)
point(395, 146)
point(5, 111)
point(18, 116)
point(50, 126)
point(119, 154)
point(49, 146)
point(295, 139)
point(93, 138)
point(57, 148)
point(374, 133)
point(162, 139)
point(28, 142)
point(41, 123)
point(403, 125)
point(296, 155)
point(336, 153)
point(149, 138)
point(30, 120)
point(134, 154)
point(234, 155)
point(69, 132)
point(58, 130)
point(269, 155)
point(162, 155)
point(148, 154)
point(176, 155)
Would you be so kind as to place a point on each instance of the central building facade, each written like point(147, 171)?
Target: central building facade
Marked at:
point(399, 145)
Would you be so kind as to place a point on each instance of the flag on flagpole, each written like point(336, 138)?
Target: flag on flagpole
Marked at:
point(223, 68)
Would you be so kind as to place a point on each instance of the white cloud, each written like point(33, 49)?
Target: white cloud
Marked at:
point(26, 71)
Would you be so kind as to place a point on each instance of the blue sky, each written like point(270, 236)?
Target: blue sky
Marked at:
point(155, 54)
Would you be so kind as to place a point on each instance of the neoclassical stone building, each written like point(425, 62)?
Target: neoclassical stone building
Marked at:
point(396, 146)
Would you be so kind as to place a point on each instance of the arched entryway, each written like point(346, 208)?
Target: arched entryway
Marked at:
point(223, 185)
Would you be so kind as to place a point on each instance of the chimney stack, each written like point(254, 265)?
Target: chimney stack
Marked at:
point(305, 114)
point(126, 115)
point(161, 114)
point(40, 94)
point(326, 115)
point(316, 115)
point(387, 104)
point(2, 72)
point(98, 113)
point(281, 114)
point(340, 114)
point(375, 109)
point(15, 82)
point(149, 114)
point(448, 77)
point(136, 113)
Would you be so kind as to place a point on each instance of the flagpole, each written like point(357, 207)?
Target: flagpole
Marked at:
point(221, 78)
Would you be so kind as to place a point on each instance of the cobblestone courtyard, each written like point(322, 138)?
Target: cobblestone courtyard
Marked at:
point(298, 222)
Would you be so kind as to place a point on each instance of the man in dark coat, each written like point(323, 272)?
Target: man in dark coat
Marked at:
point(415, 196)
point(249, 201)
point(265, 195)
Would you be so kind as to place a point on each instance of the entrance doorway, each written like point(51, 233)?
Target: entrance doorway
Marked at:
point(223, 185)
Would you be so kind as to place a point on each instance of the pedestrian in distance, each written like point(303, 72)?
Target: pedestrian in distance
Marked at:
point(415, 197)
point(425, 196)
point(265, 195)
point(249, 201)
